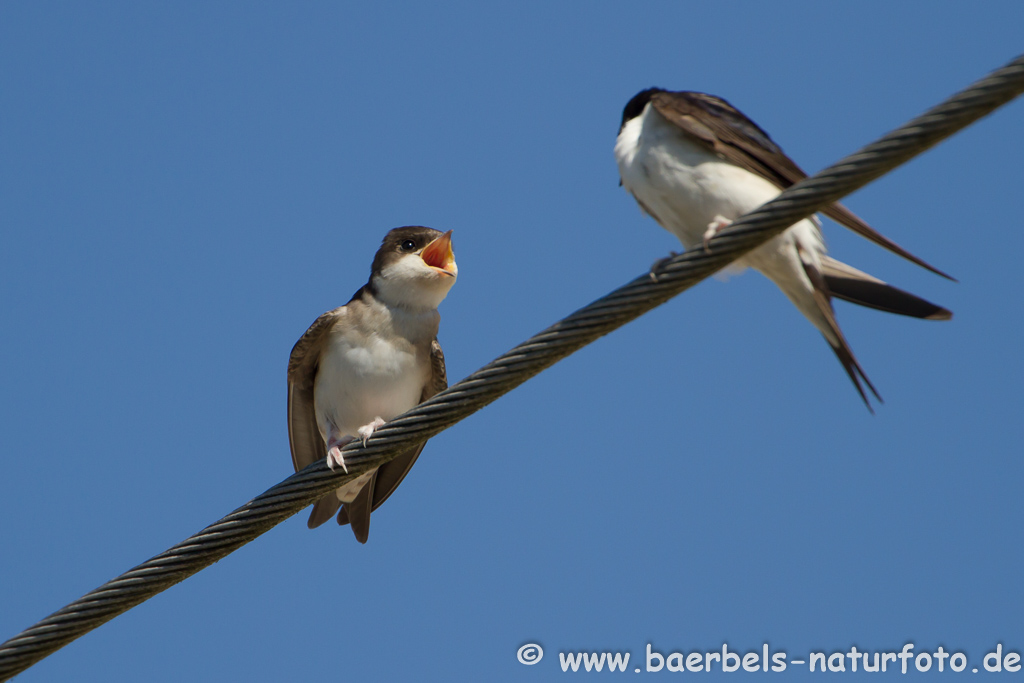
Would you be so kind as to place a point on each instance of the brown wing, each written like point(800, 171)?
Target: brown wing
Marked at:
point(726, 131)
point(729, 133)
point(307, 445)
point(391, 474)
point(438, 375)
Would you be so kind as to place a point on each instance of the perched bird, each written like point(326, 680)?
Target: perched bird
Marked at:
point(367, 362)
point(694, 163)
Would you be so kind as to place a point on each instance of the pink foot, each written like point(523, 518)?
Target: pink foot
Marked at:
point(366, 430)
point(714, 227)
point(334, 456)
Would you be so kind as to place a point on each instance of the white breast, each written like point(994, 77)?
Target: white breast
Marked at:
point(684, 186)
point(366, 373)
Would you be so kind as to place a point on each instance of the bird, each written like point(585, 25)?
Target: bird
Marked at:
point(695, 163)
point(367, 362)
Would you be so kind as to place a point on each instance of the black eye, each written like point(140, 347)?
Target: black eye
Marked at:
point(408, 245)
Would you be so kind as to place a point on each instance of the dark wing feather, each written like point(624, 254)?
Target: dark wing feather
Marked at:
point(307, 445)
point(438, 374)
point(726, 131)
point(848, 283)
point(840, 214)
point(730, 134)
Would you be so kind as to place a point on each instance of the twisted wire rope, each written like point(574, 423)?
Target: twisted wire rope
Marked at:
point(509, 370)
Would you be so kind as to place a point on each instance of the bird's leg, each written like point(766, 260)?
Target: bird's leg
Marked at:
point(714, 227)
point(367, 429)
point(334, 445)
point(660, 263)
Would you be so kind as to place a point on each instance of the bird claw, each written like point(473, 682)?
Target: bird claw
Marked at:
point(714, 227)
point(334, 456)
point(659, 264)
point(336, 459)
point(368, 429)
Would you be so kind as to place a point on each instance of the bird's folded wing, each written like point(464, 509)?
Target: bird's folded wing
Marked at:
point(729, 133)
point(307, 445)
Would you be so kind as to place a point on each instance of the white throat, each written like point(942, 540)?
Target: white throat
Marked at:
point(629, 139)
point(410, 283)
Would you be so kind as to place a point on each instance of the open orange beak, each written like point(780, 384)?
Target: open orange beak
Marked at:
point(438, 254)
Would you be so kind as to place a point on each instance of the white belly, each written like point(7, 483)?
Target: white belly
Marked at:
point(363, 377)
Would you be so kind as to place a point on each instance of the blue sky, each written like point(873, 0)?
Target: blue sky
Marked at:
point(185, 187)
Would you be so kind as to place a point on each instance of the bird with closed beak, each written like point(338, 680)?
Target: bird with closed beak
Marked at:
point(695, 163)
point(367, 362)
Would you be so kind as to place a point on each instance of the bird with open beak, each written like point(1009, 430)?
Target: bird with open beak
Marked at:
point(695, 163)
point(367, 362)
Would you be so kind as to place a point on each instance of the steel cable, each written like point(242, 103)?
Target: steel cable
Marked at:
point(509, 371)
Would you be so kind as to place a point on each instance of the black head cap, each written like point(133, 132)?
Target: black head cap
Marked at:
point(635, 106)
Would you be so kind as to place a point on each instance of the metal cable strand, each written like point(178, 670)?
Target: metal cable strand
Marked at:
point(509, 371)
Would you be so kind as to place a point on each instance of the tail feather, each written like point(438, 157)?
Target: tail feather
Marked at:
point(323, 510)
point(357, 513)
point(850, 284)
point(854, 371)
point(823, 299)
